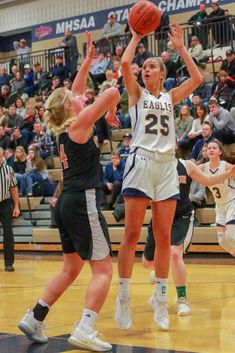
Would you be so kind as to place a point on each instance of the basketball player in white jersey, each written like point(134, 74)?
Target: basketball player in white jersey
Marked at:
point(224, 196)
point(150, 172)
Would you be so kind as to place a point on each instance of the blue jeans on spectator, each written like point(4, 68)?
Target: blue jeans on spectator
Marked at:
point(27, 136)
point(30, 179)
point(170, 83)
point(45, 154)
point(30, 90)
point(19, 177)
point(125, 120)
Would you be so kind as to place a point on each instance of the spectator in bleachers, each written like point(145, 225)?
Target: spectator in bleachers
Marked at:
point(113, 176)
point(183, 125)
point(224, 89)
point(36, 171)
point(60, 70)
point(20, 107)
point(172, 52)
point(40, 116)
point(3, 118)
point(142, 54)
point(117, 70)
point(4, 96)
point(4, 139)
point(90, 95)
point(196, 50)
point(69, 42)
point(222, 122)
point(207, 136)
point(22, 50)
point(196, 131)
point(98, 69)
point(203, 91)
point(27, 126)
point(228, 64)
point(38, 103)
point(204, 157)
point(14, 70)
point(9, 156)
point(18, 84)
point(118, 52)
point(109, 82)
point(41, 141)
point(29, 80)
point(4, 77)
point(112, 28)
point(125, 149)
point(55, 83)
point(216, 18)
point(41, 78)
point(67, 83)
point(16, 139)
point(13, 119)
point(19, 163)
point(195, 101)
point(171, 67)
point(200, 29)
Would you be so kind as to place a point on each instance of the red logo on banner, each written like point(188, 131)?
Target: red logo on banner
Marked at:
point(43, 31)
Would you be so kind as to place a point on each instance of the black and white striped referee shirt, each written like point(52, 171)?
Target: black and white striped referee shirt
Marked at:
point(7, 181)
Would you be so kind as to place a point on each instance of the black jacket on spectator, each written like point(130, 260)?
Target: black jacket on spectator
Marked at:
point(229, 67)
point(101, 130)
point(4, 141)
point(171, 69)
point(19, 142)
point(19, 167)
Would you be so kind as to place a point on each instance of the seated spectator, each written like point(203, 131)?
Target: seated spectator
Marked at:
point(195, 101)
point(27, 126)
point(101, 131)
point(222, 122)
point(117, 70)
point(98, 69)
point(4, 96)
point(112, 28)
point(29, 80)
point(9, 156)
point(172, 52)
point(20, 107)
point(55, 83)
point(110, 81)
point(18, 84)
point(3, 118)
point(41, 141)
point(196, 131)
point(142, 55)
point(19, 163)
point(113, 175)
point(14, 70)
point(67, 83)
point(224, 89)
point(41, 78)
point(40, 117)
point(38, 103)
point(4, 77)
point(228, 64)
point(183, 125)
point(196, 50)
point(204, 157)
point(170, 80)
point(4, 139)
point(16, 139)
point(203, 91)
point(13, 119)
point(125, 149)
point(36, 171)
point(118, 52)
point(197, 196)
point(60, 70)
point(207, 136)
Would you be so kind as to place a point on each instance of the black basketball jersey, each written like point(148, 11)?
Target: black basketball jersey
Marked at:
point(184, 204)
point(80, 163)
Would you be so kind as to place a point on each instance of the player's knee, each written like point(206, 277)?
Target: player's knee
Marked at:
point(131, 237)
point(227, 240)
point(175, 254)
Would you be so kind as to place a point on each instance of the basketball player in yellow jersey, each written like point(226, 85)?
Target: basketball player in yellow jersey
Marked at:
point(224, 196)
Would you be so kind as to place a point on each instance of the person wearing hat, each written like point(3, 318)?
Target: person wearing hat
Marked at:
point(112, 28)
point(22, 51)
point(216, 18)
point(228, 64)
point(142, 54)
point(29, 80)
point(124, 151)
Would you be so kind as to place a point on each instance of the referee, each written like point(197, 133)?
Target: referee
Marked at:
point(8, 189)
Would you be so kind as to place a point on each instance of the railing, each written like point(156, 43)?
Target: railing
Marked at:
point(219, 32)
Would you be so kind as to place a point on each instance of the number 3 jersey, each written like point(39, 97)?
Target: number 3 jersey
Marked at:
point(152, 123)
point(80, 163)
point(224, 192)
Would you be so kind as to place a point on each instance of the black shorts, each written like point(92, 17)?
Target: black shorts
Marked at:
point(182, 228)
point(82, 226)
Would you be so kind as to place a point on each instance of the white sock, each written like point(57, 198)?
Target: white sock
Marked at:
point(42, 303)
point(124, 286)
point(88, 319)
point(161, 288)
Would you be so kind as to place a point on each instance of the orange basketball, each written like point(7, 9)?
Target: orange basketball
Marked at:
point(144, 17)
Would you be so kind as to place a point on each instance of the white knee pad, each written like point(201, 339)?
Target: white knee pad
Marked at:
point(227, 239)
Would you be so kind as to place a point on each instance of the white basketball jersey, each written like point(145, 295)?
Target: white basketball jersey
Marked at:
point(152, 123)
point(223, 192)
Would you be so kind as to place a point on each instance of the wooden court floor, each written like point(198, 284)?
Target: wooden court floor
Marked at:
point(210, 328)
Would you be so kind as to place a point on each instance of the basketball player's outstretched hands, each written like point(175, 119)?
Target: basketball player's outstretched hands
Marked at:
point(136, 35)
point(111, 118)
point(175, 36)
point(89, 46)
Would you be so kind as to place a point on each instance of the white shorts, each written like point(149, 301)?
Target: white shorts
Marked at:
point(225, 214)
point(147, 176)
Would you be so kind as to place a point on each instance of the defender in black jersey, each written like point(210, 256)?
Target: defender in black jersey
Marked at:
point(182, 230)
point(83, 231)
